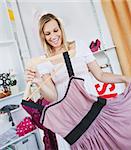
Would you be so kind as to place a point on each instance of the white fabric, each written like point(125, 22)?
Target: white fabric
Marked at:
point(44, 68)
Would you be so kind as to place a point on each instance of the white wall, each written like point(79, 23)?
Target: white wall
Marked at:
point(78, 18)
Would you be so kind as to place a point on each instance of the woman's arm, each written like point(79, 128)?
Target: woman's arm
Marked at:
point(105, 76)
point(47, 90)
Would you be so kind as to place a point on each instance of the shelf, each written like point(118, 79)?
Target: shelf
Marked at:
point(7, 43)
point(11, 96)
point(18, 139)
point(104, 50)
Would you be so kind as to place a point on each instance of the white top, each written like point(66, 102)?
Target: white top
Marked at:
point(79, 62)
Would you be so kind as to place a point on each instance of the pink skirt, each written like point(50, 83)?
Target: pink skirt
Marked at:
point(111, 130)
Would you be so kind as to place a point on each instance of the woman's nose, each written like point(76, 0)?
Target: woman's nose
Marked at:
point(54, 37)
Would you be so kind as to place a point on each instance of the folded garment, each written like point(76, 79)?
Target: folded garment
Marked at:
point(8, 136)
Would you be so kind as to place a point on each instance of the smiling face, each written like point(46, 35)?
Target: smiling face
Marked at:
point(53, 34)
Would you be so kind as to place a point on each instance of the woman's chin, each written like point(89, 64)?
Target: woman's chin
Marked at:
point(58, 45)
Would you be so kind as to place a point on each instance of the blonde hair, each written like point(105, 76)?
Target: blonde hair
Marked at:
point(43, 20)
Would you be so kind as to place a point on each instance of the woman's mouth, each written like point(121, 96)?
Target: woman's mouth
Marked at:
point(55, 40)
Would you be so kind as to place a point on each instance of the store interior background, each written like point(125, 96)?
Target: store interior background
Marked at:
point(19, 39)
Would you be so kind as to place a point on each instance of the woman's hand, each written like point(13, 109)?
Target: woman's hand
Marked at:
point(127, 80)
point(32, 76)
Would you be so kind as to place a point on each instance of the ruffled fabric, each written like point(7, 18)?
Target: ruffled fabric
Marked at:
point(109, 131)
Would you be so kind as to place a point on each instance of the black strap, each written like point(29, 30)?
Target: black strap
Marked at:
point(32, 105)
point(68, 64)
point(76, 133)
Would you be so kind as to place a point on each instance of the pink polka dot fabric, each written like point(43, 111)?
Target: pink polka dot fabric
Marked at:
point(25, 126)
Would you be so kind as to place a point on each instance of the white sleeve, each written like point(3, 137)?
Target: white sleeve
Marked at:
point(85, 52)
point(44, 68)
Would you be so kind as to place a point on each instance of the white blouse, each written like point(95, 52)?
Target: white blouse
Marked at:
point(82, 57)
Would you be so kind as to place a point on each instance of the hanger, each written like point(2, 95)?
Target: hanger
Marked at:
point(41, 59)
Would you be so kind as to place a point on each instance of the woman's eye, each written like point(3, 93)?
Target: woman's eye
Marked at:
point(47, 34)
point(56, 30)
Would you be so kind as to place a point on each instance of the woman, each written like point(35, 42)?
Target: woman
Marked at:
point(54, 42)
